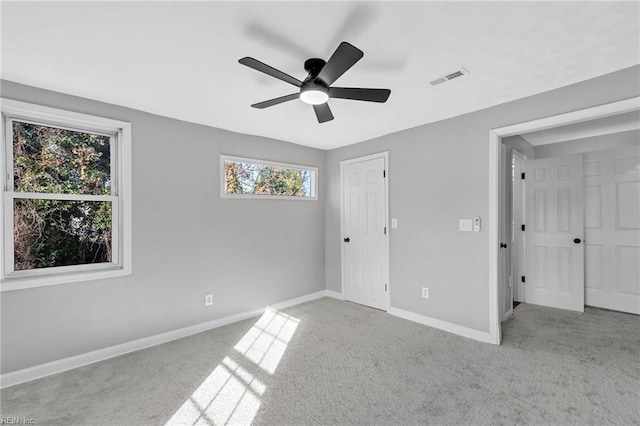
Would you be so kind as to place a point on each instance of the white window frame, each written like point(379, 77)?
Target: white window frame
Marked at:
point(313, 184)
point(120, 197)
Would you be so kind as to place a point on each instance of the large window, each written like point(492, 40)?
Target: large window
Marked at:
point(66, 196)
point(248, 178)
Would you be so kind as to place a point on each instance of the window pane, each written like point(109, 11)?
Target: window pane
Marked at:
point(260, 179)
point(51, 233)
point(48, 159)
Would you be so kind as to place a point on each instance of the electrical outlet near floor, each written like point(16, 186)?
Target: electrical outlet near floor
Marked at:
point(208, 299)
point(425, 292)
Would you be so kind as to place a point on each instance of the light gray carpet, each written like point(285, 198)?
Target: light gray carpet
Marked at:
point(347, 364)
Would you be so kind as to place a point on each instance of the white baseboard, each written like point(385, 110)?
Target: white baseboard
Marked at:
point(297, 300)
point(58, 366)
point(334, 294)
point(460, 330)
point(431, 322)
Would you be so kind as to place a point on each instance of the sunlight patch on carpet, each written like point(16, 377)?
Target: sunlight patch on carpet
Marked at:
point(231, 394)
point(267, 341)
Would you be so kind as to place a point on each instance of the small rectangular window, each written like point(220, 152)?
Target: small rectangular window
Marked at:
point(249, 178)
point(66, 196)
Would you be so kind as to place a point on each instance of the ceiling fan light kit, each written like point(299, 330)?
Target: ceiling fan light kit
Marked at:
point(313, 96)
point(316, 88)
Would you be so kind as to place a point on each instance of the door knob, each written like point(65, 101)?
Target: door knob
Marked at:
point(503, 245)
point(346, 240)
point(577, 240)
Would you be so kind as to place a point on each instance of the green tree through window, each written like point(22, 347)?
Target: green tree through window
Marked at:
point(245, 177)
point(59, 232)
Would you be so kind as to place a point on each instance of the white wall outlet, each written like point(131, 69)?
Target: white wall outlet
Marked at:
point(465, 225)
point(394, 223)
point(425, 292)
point(208, 299)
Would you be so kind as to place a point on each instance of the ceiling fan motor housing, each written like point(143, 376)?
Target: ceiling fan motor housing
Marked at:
point(314, 91)
point(313, 66)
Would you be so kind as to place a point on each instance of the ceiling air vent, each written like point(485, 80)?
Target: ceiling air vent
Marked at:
point(454, 75)
point(443, 79)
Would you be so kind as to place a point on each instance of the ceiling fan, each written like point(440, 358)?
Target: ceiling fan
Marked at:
point(316, 89)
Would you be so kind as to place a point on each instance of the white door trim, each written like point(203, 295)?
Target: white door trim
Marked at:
point(507, 285)
point(495, 137)
point(385, 156)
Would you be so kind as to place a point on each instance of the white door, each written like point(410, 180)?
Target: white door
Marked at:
point(517, 220)
point(554, 232)
point(612, 229)
point(504, 260)
point(364, 232)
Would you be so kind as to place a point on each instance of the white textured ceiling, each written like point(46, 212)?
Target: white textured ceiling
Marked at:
point(180, 59)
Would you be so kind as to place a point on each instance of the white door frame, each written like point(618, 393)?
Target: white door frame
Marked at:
point(385, 156)
point(506, 274)
point(495, 139)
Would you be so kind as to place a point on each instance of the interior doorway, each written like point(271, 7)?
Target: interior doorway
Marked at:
point(498, 214)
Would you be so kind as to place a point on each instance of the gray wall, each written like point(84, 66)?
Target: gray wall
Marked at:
point(439, 173)
point(187, 242)
point(595, 143)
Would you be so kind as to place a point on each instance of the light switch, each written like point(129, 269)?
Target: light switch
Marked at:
point(476, 224)
point(465, 225)
point(394, 223)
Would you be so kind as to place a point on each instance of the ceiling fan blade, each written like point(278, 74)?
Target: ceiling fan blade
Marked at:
point(345, 56)
point(262, 67)
point(276, 101)
point(323, 112)
point(357, 94)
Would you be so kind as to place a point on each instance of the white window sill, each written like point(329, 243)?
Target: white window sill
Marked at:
point(267, 197)
point(33, 281)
